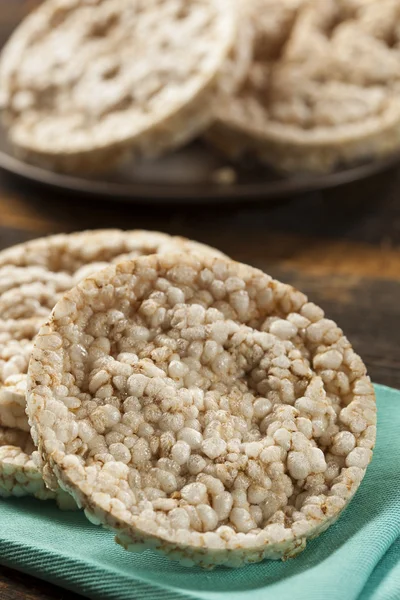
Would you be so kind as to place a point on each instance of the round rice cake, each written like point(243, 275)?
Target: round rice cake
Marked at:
point(87, 84)
point(323, 89)
point(200, 408)
point(20, 474)
point(34, 275)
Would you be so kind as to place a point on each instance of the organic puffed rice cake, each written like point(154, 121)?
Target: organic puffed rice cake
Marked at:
point(86, 84)
point(200, 408)
point(323, 89)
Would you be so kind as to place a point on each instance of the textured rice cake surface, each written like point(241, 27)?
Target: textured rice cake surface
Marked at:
point(240, 58)
point(323, 89)
point(19, 472)
point(88, 83)
point(34, 275)
point(200, 408)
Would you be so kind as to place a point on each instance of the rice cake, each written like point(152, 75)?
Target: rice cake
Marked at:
point(211, 413)
point(323, 88)
point(88, 84)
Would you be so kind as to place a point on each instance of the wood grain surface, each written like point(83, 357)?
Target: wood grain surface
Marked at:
point(341, 247)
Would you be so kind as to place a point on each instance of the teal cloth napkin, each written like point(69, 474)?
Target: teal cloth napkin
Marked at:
point(357, 558)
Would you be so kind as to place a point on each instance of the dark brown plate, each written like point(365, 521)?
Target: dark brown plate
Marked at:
point(187, 175)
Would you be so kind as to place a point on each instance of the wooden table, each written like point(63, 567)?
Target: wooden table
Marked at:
point(341, 247)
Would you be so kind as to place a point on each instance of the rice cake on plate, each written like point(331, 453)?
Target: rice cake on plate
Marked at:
point(323, 88)
point(88, 84)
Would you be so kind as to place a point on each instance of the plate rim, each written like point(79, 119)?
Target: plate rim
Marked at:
point(135, 192)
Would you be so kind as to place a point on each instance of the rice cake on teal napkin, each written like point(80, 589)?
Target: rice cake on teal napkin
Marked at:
point(357, 558)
